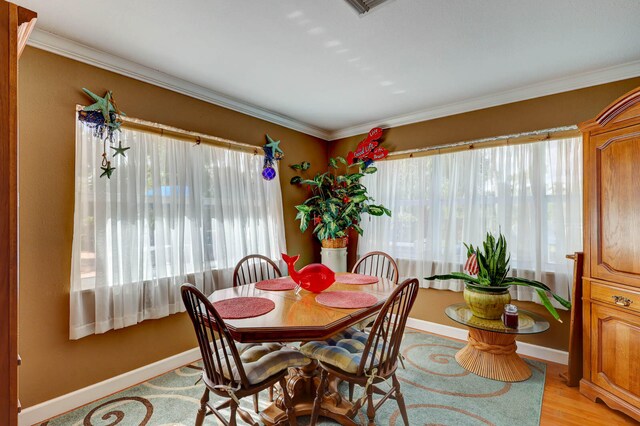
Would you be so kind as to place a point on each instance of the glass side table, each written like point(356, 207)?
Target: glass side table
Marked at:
point(491, 347)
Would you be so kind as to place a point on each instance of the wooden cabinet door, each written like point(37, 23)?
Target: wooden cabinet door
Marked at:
point(613, 197)
point(615, 352)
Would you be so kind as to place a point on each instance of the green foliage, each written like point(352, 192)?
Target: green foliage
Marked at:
point(337, 199)
point(493, 265)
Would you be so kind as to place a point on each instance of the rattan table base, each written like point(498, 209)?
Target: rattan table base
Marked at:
point(493, 355)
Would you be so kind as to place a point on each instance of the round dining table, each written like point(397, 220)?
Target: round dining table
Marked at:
point(298, 317)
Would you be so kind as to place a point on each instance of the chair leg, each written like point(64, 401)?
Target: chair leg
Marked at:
point(232, 416)
point(319, 394)
point(351, 388)
point(291, 415)
point(371, 409)
point(270, 393)
point(255, 403)
point(400, 400)
point(203, 408)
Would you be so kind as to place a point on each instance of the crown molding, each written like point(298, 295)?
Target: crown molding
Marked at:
point(551, 87)
point(68, 48)
point(71, 49)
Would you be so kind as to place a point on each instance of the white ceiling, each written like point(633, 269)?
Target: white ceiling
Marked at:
point(316, 66)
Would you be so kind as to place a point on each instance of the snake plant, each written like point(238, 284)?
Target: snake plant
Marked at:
point(490, 273)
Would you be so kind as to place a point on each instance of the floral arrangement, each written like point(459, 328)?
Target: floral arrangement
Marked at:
point(337, 199)
point(487, 268)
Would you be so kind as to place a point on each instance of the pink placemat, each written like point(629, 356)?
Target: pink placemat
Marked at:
point(243, 307)
point(346, 299)
point(357, 279)
point(278, 284)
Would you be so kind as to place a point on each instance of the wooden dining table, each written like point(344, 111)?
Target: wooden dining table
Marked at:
point(299, 318)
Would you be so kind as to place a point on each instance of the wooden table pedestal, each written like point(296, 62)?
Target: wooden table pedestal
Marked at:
point(493, 355)
point(302, 384)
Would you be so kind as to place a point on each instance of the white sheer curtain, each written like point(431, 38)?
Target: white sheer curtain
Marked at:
point(171, 213)
point(531, 192)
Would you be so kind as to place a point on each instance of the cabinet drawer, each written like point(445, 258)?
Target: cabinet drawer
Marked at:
point(621, 297)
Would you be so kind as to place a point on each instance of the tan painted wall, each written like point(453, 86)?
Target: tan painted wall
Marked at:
point(541, 113)
point(49, 89)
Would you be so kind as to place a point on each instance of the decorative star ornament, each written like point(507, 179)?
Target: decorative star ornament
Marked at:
point(274, 146)
point(107, 170)
point(104, 105)
point(120, 150)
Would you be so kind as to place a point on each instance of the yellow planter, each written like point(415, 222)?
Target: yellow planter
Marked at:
point(486, 305)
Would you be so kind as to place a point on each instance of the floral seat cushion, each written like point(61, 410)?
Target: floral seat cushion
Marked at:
point(343, 350)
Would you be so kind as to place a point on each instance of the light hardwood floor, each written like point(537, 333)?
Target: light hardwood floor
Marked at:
point(565, 406)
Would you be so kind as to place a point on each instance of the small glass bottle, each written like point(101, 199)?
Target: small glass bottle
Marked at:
point(510, 317)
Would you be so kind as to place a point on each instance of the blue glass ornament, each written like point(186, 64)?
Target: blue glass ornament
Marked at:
point(268, 173)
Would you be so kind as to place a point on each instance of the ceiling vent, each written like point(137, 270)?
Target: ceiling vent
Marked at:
point(364, 6)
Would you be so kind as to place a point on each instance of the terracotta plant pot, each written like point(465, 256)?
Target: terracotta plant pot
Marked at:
point(487, 305)
point(335, 242)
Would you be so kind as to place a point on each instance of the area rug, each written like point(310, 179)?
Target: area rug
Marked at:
point(437, 391)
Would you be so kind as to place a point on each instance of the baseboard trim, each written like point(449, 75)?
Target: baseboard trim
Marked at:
point(54, 407)
point(535, 351)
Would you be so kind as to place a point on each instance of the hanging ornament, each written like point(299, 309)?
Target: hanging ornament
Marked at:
point(368, 150)
point(272, 153)
point(268, 173)
point(104, 117)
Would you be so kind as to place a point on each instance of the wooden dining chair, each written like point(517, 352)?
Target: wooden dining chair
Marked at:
point(372, 358)
point(378, 264)
point(254, 268)
point(233, 371)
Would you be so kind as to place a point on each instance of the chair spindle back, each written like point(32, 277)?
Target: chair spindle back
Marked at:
point(219, 353)
point(254, 268)
point(378, 264)
point(383, 344)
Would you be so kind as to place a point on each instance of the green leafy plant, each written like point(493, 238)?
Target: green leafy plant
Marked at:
point(492, 269)
point(337, 198)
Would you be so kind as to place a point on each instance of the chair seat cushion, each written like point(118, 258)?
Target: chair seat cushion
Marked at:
point(264, 360)
point(343, 350)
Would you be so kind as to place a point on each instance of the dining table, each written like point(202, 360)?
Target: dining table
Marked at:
point(298, 317)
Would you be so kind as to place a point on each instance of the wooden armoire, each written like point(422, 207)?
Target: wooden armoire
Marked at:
point(611, 282)
point(15, 25)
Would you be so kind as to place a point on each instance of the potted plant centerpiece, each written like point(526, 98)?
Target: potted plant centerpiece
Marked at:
point(487, 284)
point(337, 199)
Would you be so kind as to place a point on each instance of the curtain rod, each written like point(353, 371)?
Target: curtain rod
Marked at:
point(518, 138)
point(164, 130)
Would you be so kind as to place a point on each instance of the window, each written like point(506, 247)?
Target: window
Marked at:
point(172, 212)
point(531, 192)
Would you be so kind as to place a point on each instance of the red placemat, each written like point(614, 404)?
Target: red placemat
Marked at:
point(357, 279)
point(278, 284)
point(243, 307)
point(346, 299)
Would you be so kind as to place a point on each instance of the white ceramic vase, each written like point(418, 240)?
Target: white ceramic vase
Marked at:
point(335, 258)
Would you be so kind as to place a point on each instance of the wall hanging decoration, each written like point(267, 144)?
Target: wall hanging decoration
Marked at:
point(104, 117)
point(368, 150)
point(272, 153)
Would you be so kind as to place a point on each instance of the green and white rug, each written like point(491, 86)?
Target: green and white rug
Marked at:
point(437, 391)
